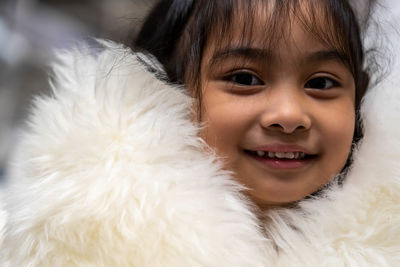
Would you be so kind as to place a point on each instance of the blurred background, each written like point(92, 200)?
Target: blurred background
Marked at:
point(31, 29)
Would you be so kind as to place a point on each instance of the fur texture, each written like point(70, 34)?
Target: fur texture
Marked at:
point(110, 172)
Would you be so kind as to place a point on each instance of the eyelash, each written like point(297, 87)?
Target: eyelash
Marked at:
point(245, 78)
point(325, 80)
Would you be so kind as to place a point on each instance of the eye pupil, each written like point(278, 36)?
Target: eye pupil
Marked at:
point(317, 83)
point(320, 83)
point(245, 79)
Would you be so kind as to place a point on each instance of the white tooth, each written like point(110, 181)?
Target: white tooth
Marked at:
point(271, 154)
point(289, 155)
point(260, 153)
point(280, 155)
point(302, 155)
point(296, 155)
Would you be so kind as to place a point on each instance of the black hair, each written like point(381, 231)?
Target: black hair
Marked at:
point(176, 32)
point(162, 30)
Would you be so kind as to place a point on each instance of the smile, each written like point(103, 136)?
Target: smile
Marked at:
point(281, 160)
point(278, 155)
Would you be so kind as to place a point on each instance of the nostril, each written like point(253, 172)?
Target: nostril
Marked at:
point(276, 125)
point(301, 127)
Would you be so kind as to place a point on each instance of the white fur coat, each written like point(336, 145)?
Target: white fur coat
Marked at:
point(110, 172)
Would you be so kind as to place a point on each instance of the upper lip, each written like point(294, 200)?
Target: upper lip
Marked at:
point(283, 148)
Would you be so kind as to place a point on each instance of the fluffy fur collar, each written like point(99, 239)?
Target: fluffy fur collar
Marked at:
point(110, 172)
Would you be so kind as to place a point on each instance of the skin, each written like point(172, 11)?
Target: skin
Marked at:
point(297, 94)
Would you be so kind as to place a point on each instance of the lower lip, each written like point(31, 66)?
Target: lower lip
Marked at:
point(287, 164)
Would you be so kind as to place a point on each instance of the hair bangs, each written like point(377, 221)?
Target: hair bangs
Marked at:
point(326, 20)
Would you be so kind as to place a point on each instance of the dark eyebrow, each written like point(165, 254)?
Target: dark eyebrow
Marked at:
point(241, 52)
point(267, 55)
point(325, 55)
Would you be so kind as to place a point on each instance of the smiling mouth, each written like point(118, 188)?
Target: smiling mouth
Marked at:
point(276, 155)
point(291, 155)
point(290, 160)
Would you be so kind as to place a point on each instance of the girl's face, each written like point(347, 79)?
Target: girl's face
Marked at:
point(282, 120)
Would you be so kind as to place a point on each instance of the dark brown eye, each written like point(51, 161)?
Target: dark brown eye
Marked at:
point(244, 79)
point(321, 83)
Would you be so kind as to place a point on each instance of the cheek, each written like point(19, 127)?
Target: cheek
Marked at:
point(337, 136)
point(220, 131)
point(225, 123)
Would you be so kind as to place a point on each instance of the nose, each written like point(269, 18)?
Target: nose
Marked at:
point(286, 111)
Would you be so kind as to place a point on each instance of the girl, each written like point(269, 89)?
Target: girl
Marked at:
point(113, 169)
point(267, 87)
